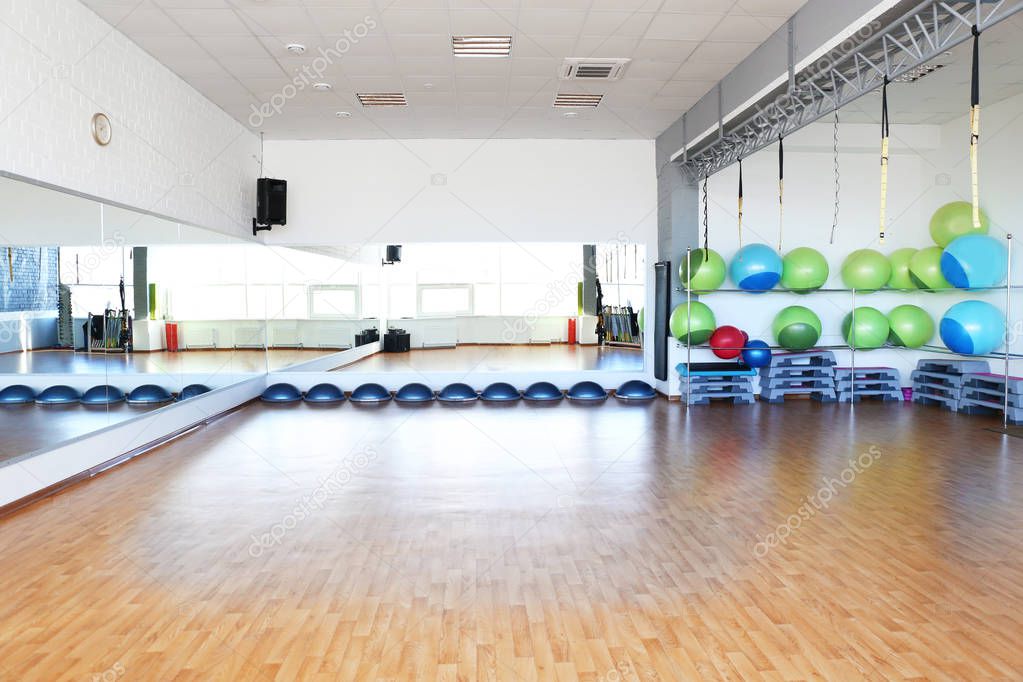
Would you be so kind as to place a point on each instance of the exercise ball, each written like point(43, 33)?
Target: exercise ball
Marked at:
point(925, 269)
point(699, 317)
point(901, 278)
point(727, 342)
point(756, 268)
point(757, 354)
point(973, 328)
point(865, 328)
point(866, 270)
point(956, 220)
point(708, 270)
point(804, 270)
point(796, 328)
point(975, 261)
point(641, 320)
point(910, 326)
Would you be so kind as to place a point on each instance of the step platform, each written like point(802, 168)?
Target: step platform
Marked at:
point(939, 381)
point(868, 373)
point(703, 382)
point(990, 407)
point(877, 383)
point(778, 395)
point(996, 382)
point(811, 373)
point(888, 395)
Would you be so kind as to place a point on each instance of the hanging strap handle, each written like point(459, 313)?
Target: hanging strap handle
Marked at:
point(885, 132)
point(781, 189)
point(975, 127)
point(740, 203)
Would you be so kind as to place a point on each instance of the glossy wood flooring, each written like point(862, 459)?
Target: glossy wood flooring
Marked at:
point(197, 361)
point(565, 543)
point(504, 358)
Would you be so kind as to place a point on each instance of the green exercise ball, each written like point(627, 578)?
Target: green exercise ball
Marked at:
point(699, 319)
point(708, 270)
point(956, 220)
point(869, 330)
point(901, 278)
point(911, 326)
point(925, 269)
point(866, 270)
point(796, 328)
point(804, 270)
point(641, 320)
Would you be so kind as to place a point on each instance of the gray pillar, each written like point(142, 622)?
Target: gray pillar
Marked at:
point(678, 222)
point(590, 279)
point(140, 279)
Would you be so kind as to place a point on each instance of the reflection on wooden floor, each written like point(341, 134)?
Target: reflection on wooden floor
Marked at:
point(27, 428)
point(564, 543)
point(214, 361)
point(499, 358)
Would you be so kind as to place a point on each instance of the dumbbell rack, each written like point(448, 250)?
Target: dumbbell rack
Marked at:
point(811, 373)
point(703, 382)
point(852, 384)
point(985, 393)
point(939, 381)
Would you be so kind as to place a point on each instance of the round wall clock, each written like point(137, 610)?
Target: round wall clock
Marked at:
point(101, 129)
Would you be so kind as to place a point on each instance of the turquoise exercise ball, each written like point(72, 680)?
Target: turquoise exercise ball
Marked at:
point(975, 261)
point(756, 268)
point(973, 328)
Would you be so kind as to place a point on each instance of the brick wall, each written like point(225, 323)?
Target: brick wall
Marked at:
point(28, 279)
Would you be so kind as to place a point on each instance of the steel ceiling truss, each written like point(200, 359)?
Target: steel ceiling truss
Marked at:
point(927, 31)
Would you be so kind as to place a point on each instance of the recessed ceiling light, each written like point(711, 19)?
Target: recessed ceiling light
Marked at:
point(343, 114)
point(428, 86)
point(322, 87)
point(481, 46)
point(571, 114)
point(382, 99)
point(296, 48)
point(576, 100)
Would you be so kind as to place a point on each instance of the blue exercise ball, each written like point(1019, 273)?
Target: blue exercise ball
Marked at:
point(757, 354)
point(276, 393)
point(543, 391)
point(58, 395)
point(587, 391)
point(17, 394)
point(973, 328)
point(414, 393)
point(103, 395)
point(635, 390)
point(193, 391)
point(149, 394)
point(370, 393)
point(975, 261)
point(756, 268)
point(500, 392)
point(324, 394)
point(458, 393)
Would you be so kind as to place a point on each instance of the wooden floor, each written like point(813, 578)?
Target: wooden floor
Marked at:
point(224, 361)
point(525, 543)
point(504, 358)
point(27, 428)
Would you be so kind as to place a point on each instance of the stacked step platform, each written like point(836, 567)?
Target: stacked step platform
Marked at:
point(984, 393)
point(811, 373)
point(868, 382)
point(939, 381)
point(702, 382)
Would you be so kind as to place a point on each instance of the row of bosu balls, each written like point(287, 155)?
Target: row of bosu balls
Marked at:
point(500, 392)
point(147, 394)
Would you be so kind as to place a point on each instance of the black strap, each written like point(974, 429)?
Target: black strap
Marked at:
point(740, 179)
point(885, 128)
point(781, 158)
point(706, 230)
point(975, 83)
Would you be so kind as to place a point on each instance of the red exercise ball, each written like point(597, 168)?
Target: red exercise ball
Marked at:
point(727, 342)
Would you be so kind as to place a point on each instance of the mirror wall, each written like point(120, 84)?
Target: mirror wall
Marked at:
point(98, 300)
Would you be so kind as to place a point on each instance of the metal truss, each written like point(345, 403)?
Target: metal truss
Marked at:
point(898, 50)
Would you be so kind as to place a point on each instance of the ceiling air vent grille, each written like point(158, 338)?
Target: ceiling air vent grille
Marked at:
point(576, 100)
point(593, 69)
point(481, 46)
point(382, 99)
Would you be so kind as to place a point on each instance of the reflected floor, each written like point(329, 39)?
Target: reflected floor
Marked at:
point(27, 428)
point(556, 357)
point(227, 360)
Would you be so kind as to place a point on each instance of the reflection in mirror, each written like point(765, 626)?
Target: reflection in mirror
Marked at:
point(500, 307)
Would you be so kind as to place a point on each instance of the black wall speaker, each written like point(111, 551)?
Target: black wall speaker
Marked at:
point(271, 204)
point(393, 253)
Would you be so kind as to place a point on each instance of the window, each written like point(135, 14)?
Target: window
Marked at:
point(336, 301)
point(445, 300)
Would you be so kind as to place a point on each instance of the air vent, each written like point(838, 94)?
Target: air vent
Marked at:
point(481, 46)
point(918, 72)
point(382, 99)
point(593, 69)
point(576, 100)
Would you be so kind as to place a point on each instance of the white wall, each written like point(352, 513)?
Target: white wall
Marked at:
point(929, 167)
point(395, 191)
point(173, 152)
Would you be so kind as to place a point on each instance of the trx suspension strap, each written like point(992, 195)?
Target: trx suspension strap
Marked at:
point(975, 126)
point(740, 203)
point(838, 181)
point(706, 231)
point(884, 159)
point(781, 189)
